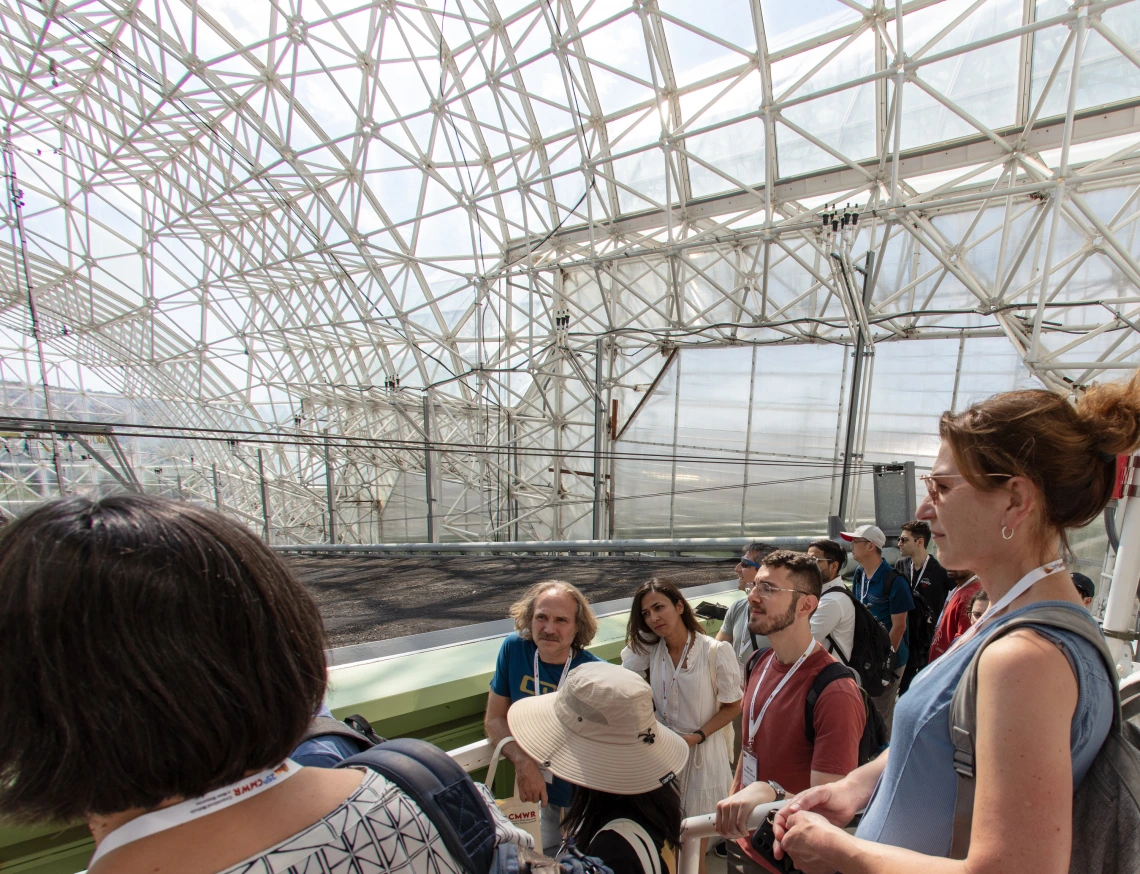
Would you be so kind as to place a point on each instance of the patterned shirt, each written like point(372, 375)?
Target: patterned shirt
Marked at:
point(377, 828)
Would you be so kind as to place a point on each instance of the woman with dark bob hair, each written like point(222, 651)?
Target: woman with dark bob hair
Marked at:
point(158, 663)
point(1013, 475)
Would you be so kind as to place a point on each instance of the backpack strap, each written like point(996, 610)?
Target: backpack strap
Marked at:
point(443, 791)
point(754, 660)
point(964, 708)
point(638, 838)
point(322, 726)
point(830, 673)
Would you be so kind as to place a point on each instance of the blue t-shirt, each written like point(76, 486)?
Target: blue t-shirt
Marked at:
point(514, 679)
point(884, 604)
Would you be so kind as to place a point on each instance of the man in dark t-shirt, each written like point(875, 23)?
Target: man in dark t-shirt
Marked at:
point(928, 578)
point(921, 569)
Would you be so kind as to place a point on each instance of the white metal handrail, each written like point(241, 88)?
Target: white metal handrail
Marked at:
point(695, 828)
point(473, 756)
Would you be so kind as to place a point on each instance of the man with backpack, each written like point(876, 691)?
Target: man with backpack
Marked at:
point(885, 593)
point(833, 622)
point(929, 586)
point(803, 714)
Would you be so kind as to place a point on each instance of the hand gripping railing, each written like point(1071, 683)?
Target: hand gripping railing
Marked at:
point(696, 828)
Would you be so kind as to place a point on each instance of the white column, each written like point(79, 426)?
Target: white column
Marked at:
point(1126, 573)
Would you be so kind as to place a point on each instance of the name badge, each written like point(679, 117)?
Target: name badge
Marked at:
point(748, 770)
point(548, 775)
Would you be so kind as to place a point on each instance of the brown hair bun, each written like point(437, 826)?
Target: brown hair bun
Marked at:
point(1068, 450)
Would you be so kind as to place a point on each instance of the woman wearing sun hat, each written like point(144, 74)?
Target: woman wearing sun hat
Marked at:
point(599, 732)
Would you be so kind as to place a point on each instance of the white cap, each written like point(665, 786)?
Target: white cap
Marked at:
point(873, 533)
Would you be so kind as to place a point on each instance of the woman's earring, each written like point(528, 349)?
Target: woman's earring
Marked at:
point(1005, 536)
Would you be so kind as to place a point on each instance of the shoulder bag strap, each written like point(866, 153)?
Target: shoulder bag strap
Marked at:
point(964, 709)
point(638, 838)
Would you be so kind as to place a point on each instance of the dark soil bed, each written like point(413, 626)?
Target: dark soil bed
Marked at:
point(375, 597)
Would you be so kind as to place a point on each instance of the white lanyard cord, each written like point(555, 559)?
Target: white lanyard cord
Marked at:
point(918, 579)
point(1019, 588)
point(755, 719)
point(187, 811)
point(561, 680)
point(666, 690)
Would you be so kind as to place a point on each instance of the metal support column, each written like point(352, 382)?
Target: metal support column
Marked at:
point(673, 470)
point(264, 494)
point(427, 470)
point(599, 436)
point(853, 402)
point(217, 493)
point(330, 490)
point(1126, 573)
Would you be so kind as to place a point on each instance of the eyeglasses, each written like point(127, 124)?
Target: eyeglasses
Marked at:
point(767, 590)
point(933, 486)
point(747, 562)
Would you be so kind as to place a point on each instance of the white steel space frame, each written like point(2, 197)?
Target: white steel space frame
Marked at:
point(193, 228)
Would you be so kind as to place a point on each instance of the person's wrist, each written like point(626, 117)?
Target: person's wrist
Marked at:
point(701, 735)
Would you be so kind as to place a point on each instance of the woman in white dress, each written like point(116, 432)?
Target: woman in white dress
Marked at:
point(696, 689)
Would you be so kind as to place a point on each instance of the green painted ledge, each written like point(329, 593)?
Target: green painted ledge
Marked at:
point(437, 694)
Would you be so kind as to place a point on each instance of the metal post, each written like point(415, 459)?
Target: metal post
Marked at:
point(427, 469)
point(330, 490)
point(856, 392)
point(24, 273)
point(599, 427)
point(747, 443)
point(673, 472)
point(264, 494)
point(217, 493)
point(1126, 572)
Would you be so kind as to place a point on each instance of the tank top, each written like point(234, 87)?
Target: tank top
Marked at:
point(913, 803)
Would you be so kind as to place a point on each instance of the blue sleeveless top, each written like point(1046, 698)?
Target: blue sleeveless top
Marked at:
point(913, 803)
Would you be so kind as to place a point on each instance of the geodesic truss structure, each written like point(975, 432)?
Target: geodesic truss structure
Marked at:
point(358, 243)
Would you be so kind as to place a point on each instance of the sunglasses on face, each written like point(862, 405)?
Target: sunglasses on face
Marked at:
point(747, 562)
point(936, 490)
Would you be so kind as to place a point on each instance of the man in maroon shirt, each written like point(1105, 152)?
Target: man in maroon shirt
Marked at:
point(955, 617)
point(777, 758)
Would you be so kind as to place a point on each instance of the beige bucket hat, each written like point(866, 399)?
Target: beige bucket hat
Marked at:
point(599, 731)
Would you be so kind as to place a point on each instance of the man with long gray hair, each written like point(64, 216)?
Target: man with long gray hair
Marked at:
point(553, 626)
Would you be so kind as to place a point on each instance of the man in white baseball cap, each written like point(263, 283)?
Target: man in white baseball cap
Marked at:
point(886, 593)
point(599, 732)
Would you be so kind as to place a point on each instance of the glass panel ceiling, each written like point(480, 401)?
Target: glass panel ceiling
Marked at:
point(285, 213)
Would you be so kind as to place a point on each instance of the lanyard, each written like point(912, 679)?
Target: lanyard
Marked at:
point(561, 680)
point(1020, 588)
point(754, 719)
point(665, 690)
point(187, 811)
point(866, 584)
point(914, 583)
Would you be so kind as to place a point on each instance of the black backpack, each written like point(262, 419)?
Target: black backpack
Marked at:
point(874, 738)
point(431, 778)
point(443, 791)
point(921, 623)
point(870, 655)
